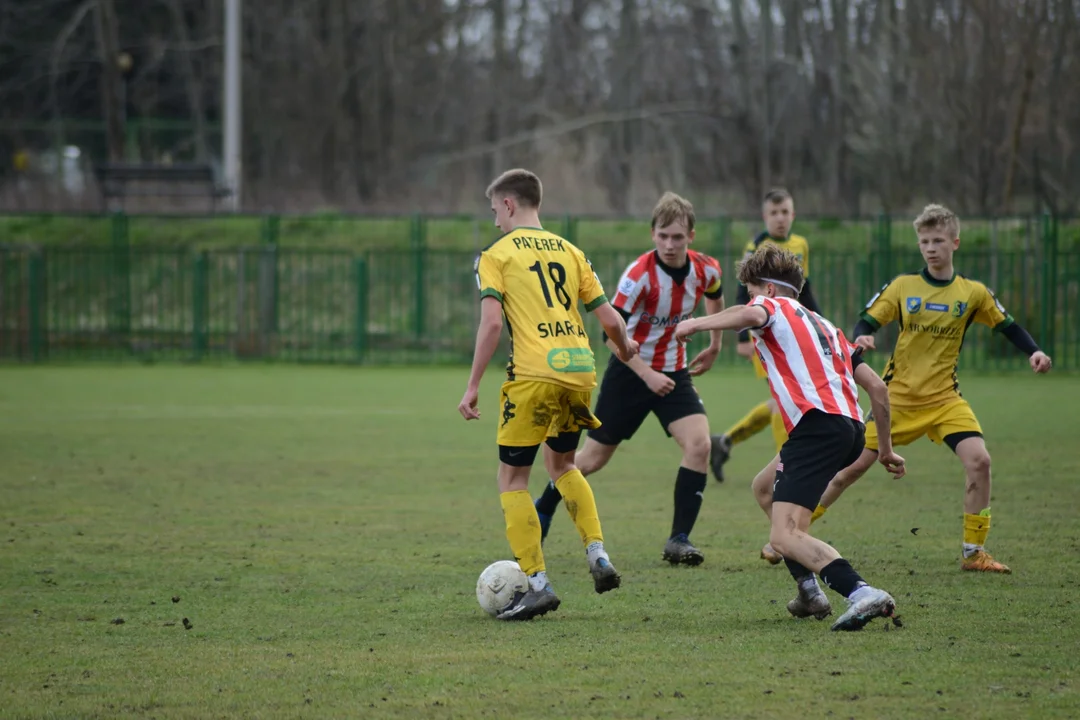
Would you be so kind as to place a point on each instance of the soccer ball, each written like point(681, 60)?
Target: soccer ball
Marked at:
point(497, 585)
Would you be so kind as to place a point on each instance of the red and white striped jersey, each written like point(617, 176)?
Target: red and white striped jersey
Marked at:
point(808, 361)
point(656, 303)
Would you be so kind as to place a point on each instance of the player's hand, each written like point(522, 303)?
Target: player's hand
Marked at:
point(1040, 362)
point(631, 350)
point(745, 349)
point(467, 406)
point(866, 342)
point(893, 463)
point(703, 361)
point(659, 383)
point(685, 330)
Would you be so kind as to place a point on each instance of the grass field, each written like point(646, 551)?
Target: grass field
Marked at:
point(320, 531)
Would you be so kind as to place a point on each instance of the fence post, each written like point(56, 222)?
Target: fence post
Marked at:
point(121, 281)
point(882, 246)
point(569, 231)
point(360, 342)
point(418, 242)
point(199, 301)
point(271, 229)
point(1049, 280)
point(36, 290)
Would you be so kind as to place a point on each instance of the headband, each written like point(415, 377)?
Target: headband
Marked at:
point(780, 282)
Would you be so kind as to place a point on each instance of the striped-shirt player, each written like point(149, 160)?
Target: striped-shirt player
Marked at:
point(659, 290)
point(814, 377)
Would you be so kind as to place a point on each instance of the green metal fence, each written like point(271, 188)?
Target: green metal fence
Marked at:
point(120, 299)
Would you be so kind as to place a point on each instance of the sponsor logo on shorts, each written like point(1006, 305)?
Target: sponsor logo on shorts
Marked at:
point(571, 360)
point(937, 307)
point(914, 304)
point(508, 410)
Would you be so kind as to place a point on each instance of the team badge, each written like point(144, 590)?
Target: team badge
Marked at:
point(959, 308)
point(914, 304)
point(626, 286)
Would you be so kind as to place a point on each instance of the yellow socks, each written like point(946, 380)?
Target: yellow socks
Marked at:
point(779, 432)
point(818, 512)
point(976, 528)
point(755, 421)
point(523, 530)
point(579, 500)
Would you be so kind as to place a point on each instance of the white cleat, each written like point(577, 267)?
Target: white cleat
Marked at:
point(865, 604)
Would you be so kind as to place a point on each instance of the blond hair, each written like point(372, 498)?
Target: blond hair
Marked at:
point(522, 184)
point(672, 208)
point(935, 217)
point(770, 263)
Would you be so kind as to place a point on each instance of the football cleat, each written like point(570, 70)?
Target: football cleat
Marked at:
point(869, 603)
point(605, 576)
point(534, 603)
point(982, 561)
point(679, 551)
point(805, 605)
point(771, 556)
point(721, 452)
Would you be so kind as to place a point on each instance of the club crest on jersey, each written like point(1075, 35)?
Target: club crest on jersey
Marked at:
point(959, 308)
point(914, 304)
point(626, 286)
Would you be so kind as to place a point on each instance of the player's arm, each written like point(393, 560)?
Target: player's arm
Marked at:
point(737, 317)
point(714, 303)
point(489, 280)
point(992, 313)
point(875, 387)
point(882, 309)
point(591, 292)
point(615, 331)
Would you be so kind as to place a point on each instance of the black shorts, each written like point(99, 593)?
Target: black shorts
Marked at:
point(820, 446)
point(625, 401)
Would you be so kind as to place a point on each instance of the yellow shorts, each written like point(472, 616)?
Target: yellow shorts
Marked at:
point(759, 369)
point(533, 411)
point(936, 423)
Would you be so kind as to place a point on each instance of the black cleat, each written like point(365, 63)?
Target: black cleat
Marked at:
point(605, 576)
point(721, 452)
point(531, 604)
point(679, 551)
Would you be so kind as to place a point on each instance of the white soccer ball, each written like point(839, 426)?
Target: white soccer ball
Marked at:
point(497, 584)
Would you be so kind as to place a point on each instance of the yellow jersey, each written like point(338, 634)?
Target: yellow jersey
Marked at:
point(539, 278)
point(797, 245)
point(934, 315)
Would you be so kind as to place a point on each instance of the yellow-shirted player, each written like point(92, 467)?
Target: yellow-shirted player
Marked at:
point(778, 211)
point(934, 308)
point(535, 279)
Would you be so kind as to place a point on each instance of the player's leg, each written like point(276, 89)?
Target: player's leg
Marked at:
point(691, 432)
point(747, 427)
point(751, 424)
point(820, 445)
point(762, 487)
point(957, 427)
point(559, 451)
point(518, 443)
point(623, 404)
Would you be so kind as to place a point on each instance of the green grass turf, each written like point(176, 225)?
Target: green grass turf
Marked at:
point(322, 530)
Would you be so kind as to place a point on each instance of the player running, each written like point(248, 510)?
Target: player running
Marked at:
point(810, 375)
point(778, 211)
point(535, 279)
point(659, 289)
point(935, 307)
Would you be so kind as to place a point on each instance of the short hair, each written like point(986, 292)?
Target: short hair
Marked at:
point(524, 185)
point(672, 208)
point(934, 217)
point(776, 196)
point(770, 262)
